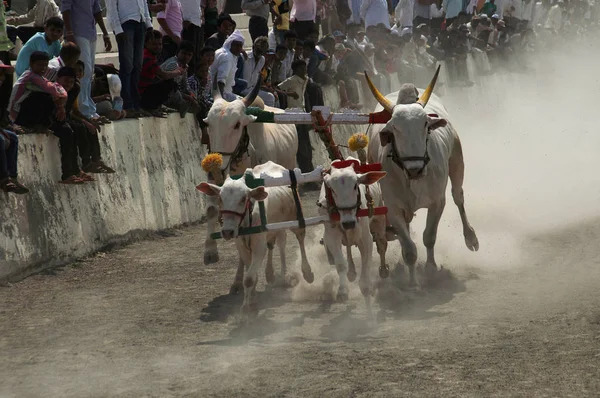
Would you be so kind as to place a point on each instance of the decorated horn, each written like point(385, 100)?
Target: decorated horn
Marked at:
point(427, 93)
point(249, 99)
point(387, 104)
point(216, 93)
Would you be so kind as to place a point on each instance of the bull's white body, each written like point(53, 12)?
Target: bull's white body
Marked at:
point(279, 206)
point(334, 235)
point(278, 143)
point(403, 196)
point(421, 193)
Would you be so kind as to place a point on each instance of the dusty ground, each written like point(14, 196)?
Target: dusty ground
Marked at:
point(151, 320)
point(521, 317)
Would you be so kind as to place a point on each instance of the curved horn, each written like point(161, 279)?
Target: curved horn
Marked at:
point(249, 99)
point(216, 93)
point(424, 98)
point(386, 103)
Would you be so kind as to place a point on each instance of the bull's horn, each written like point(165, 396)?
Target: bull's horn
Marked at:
point(249, 99)
point(216, 93)
point(424, 99)
point(386, 103)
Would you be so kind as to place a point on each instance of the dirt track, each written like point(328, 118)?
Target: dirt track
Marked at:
point(151, 320)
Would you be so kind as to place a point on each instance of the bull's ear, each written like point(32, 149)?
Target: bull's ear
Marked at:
point(385, 137)
point(371, 177)
point(209, 189)
point(258, 193)
point(436, 122)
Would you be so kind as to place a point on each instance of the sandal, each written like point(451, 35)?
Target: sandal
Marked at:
point(86, 177)
point(131, 114)
point(72, 180)
point(20, 188)
point(105, 120)
point(97, 168)
point(159, 113)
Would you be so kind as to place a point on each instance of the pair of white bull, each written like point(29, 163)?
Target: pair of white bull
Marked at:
point(418, 149)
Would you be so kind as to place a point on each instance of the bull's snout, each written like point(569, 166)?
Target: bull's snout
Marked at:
point(228, 234)
point(415, 173)
point(349, 224)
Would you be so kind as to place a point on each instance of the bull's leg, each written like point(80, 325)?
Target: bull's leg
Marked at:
point(409, 249)
point(351, 266)
point(434, 214)
point(366, 256)
point(211, 252)
point(333, 241)
point(281, 241)
point(258, 248)
point(269, 272)
point(243, 262)
point(306, 270)
point(378, 231)
point(457, 174)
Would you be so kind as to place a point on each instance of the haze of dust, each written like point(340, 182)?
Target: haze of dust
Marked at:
point(530, 144)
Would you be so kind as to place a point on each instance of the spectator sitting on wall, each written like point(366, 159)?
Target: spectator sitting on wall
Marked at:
point(225, 27)
point(9, 150)
point(225, 66)
point(199, 85)
point(156, 85)
point(47, 42)
point(171, 26)
point(182, 99)
point(69, 54)
point(86, 131)
point(106, 93)
point(35, 101)
point(39, 14)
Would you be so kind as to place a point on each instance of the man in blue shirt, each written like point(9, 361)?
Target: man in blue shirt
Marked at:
point(47, 41)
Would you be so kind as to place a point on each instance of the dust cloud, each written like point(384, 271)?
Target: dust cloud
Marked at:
point(531, 159)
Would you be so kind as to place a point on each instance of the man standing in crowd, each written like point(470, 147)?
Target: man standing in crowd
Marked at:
point(80, 18)
point(258, 11)
point(193, 31)
point(39, 14)
point(130, 20)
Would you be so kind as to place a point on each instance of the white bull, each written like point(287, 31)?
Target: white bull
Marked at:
point(419, 149)
point(227, 124)
point(349, 194)
point(239, 209)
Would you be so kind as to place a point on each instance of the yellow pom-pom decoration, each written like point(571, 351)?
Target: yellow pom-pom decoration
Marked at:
point(212, 162)
point(358, 141)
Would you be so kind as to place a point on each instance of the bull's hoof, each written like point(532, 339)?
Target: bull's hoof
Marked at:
point(309, 277)
point(236, 289)
point(351, 275)
point(342, 297)
point(384, 271)
point(471, 239)
point(211, 258)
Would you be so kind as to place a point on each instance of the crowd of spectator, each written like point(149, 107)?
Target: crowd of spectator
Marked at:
point(62, 90)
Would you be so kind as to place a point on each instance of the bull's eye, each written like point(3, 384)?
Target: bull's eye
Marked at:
point(237, 126)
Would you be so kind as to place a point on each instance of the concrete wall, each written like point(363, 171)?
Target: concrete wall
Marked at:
point(158, 167)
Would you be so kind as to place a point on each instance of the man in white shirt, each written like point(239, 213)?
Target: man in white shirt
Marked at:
point(130, 20)
point(302, 18)
point(253, 65)
point(225, 65)
point(193, 31)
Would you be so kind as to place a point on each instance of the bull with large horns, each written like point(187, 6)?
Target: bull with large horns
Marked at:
point(419, 149)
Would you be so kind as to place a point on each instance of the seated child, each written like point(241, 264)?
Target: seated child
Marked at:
point(35, 101)
point(295, 86)
point(182, 99)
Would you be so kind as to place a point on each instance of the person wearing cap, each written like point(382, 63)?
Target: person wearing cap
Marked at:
point(9, 149)
point(224, 69)
point(225, 27)
point(339, 36)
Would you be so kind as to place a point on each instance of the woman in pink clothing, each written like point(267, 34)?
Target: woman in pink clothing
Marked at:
point(302, 18)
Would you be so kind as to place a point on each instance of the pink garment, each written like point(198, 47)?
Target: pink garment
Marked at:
point(303, 10)
point(174, 17)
